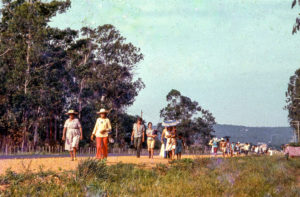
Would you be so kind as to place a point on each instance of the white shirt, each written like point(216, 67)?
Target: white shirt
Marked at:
point(102, 124)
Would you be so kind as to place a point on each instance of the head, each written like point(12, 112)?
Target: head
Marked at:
point(180, 136)
point(71, 116)
point(150, 125)
point(174, 128)
point(169, 128)
point(103, 115)
point(71, 113)
point(139, 120)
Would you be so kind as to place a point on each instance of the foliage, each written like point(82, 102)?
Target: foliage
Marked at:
point(194, 120)
point(92, 168)
point(244, 176)
point(293, 101)
point(295, 144)
point(45, 71)
point(296, 26)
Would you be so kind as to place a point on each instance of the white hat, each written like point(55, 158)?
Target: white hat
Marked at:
point(222, 139)
point(102, 111)
point(71, 112)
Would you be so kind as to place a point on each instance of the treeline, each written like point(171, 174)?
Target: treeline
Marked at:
point(45, 71)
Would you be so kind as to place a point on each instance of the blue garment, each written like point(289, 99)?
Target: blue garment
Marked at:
point(179, 144)
point(215, 144)
point(232, 146)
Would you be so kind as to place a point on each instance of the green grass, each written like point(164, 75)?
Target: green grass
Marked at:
point(245, 176)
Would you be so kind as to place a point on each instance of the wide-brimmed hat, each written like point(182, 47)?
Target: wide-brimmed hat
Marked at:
point(102, 111)
point(170, 123)
point(71, 111)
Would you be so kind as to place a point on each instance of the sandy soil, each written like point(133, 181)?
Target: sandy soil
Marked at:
point(65, 163)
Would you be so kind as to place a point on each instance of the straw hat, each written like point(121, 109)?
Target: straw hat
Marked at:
point(102, 111)
point(71, 111)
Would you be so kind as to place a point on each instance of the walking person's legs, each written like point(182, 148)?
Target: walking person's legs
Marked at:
point(166, 152)
point(149, 148)
point(98, 147)
point(74, 153)
point(139, 144)
point(104, 148)
point(101, 148)
point(71, 154)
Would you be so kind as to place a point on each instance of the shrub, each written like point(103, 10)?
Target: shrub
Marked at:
point(92, 168)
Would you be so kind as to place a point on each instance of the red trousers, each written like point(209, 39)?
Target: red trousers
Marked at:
point(101, 145)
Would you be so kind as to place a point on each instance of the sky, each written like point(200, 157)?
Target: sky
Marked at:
point(233, 57)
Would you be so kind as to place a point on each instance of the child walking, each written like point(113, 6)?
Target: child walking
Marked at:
point(179, 146)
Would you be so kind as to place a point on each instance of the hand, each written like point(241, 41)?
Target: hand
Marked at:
point(103, 131)
point(63, 138)
point(81, 137)
point(92, 137)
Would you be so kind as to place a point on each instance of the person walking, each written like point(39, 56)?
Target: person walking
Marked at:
point(214, 145)
point(164, 142)
point(247, 148)
point(72, 133)
point(101, 130)
point(171, 141)
point(150, 140)
point(228, 147)
point(179, 146)
point(232, 150)
point(223, 146)
point(238, 148)
point(138, 136)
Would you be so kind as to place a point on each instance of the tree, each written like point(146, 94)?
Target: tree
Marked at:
point(25, 38)
point(45, 71)
point(195, 122)
point(296, 26)
point(293, 101)
point(102, 66)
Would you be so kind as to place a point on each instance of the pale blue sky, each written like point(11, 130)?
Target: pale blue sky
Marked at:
point(234, 57)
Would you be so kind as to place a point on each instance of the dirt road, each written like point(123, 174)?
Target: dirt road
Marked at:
point(65, 163)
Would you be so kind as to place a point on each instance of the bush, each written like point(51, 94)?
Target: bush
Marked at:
point(295, 144)
point(92, 168)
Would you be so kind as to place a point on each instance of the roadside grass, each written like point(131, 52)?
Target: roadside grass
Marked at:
point(239, 176)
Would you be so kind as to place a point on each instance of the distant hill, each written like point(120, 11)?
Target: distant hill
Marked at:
point(275, 136)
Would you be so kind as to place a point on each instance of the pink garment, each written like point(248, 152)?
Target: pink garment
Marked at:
point(292, 151)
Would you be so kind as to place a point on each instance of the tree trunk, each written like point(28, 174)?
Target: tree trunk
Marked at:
point(36, 134)
point(55, 128)
point(26, 83)
point(79, 98)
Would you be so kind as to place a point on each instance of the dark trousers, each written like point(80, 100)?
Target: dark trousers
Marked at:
point(138, 145)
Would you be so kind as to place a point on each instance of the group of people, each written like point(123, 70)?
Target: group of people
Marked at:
point(72, 133)
point(228, 148)
point(172, 143)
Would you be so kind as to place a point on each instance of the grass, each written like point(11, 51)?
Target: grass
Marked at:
point(244, 176)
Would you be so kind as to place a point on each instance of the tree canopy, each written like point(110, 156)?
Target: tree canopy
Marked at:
point(45, 71)
point(195, 122)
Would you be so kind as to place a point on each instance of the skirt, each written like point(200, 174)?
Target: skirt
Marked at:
point(72, 139)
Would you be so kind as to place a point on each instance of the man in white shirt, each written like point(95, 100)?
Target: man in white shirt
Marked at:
point(138, 136)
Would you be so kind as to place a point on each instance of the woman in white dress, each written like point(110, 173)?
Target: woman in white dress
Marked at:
point(72, 133)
